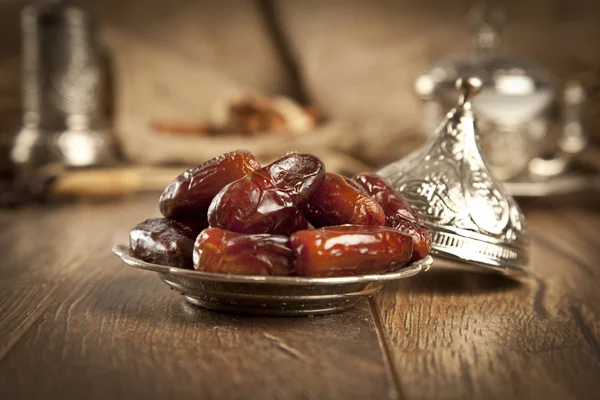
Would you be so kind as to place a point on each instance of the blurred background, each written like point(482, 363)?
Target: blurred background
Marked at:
point(180, 81)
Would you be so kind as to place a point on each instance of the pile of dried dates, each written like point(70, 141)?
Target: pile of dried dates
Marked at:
point(232, 216)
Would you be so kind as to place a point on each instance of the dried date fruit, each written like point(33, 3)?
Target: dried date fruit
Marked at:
point(265, 200)
point(420, 235)
point(190, 194)
point(394, 206)
point(163, 241)
point(349, 250)
point(297, 174)
point(254, 204)
point(398, 212)
point(338, 201)
point(225, 252)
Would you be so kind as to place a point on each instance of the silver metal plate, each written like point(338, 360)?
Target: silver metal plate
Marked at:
point(270, 295)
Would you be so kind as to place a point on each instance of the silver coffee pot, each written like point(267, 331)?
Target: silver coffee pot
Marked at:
point(63, 89)
point(516, 105)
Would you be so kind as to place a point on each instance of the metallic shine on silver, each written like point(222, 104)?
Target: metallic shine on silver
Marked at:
point(270, 295)
point(522, 137)
point(63, 90)
point(448, 183)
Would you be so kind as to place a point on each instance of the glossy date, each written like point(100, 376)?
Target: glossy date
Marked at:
point(190, 194)
point(398, 212)
point(225, 252)
point(253, 205)
point(163, 241)
point(297, 174)
point(349, 250)
point(338, 201)
point(265, 201)
point(420, 235)
point(394, 206)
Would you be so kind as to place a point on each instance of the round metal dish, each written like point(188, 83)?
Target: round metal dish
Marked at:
point(270, 295)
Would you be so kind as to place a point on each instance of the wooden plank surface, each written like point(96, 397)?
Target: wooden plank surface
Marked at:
point(77, 323)
point(464, 335)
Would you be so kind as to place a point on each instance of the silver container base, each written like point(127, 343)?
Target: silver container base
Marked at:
point(270, 295)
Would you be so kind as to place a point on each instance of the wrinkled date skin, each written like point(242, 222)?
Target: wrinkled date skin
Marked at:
point(394, 206)
point(190, 194)
point(341, 201)
point(253, 205)
point(298, 174)
point(265, 201)
point(225, 252)
point(398, 212)
point(420, 235)
point(163, 241)
point(349, 250)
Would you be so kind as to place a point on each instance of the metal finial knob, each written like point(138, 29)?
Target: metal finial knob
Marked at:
point(469, 87)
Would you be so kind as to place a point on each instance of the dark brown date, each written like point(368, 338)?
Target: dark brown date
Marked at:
point(341, 201)
point(253, 205)
point(189, 195)
point(226, 252)
point(265, 201)
point(398, 212)
point(297, 174)
point(395, 207)
point(420, 235)
point(163, 241)
point(349, 250)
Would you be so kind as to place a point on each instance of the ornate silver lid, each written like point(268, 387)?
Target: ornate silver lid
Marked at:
point(449, 184)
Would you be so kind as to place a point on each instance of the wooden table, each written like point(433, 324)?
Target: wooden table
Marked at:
point(76, 323)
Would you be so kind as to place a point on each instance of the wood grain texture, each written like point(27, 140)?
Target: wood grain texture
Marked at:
point(463, 335)
point(43, 246)
point(77, 323)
